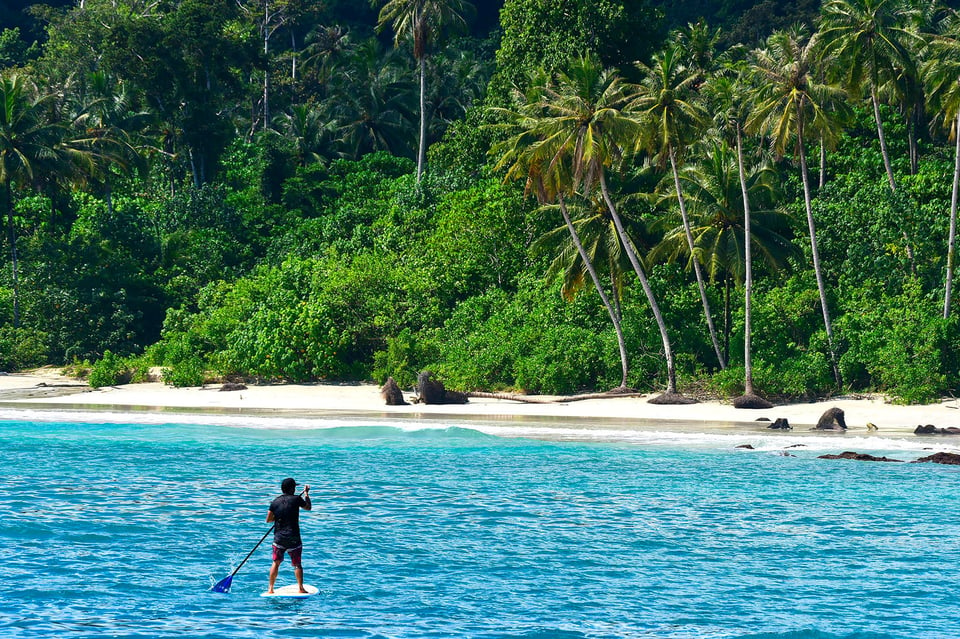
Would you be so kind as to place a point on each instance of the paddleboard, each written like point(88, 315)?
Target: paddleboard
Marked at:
point(293, 591)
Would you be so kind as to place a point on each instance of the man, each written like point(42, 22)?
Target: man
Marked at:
point(285, 511)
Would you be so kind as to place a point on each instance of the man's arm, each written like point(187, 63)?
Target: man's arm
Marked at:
point(269, 516)
point(306, 498)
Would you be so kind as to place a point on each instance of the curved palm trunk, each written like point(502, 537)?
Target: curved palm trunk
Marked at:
point(883, 139)
point(696, 263)
point(12, 236)
point(815, 252)
point(422, 152)
point(748, 275)
point(614, 316)
point(645, 283)
point(952, 237)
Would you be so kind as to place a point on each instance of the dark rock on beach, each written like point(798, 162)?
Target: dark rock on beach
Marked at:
point(745, 446)
point(671, 399)
point(430, 391)
point(780, 424)
point(832, 419)
point(930, 429)
point(232, 386)
point(951, 459)
point(751, 401)
point(859, 457)
point(392, 394)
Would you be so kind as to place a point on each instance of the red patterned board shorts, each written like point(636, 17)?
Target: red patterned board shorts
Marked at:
point(295, 554)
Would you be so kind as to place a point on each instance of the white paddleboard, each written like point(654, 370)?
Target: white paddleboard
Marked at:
point(292, 591)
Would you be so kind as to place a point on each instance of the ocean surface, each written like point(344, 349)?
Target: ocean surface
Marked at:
point(432, 530)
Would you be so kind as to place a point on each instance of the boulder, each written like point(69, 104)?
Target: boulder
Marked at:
point(232, 386)
point(430, 391)
point(780, 424)
point(751, 401)
point(930, 429)
point(671, 399)
point(832, 419)
point(391, 393)
point(859, 457)
point(951, 459)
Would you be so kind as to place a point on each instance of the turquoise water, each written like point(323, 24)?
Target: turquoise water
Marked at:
point(117, 530)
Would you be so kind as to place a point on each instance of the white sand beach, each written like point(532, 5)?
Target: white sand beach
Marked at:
point(48, 390)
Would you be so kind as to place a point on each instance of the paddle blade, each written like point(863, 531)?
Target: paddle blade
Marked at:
point(223, 585)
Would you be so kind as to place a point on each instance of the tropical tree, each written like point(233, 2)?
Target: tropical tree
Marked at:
point(729, 95)
point(725, 228)
point(31, 145)
point(666, 104)
point(422, 21)
point(790, 102)
point(941, 75)
point(573, 130)
point(869, 41)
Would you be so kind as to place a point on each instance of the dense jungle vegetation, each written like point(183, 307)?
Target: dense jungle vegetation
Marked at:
point(551, 196)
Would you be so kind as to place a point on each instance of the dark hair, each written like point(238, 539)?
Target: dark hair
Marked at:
point(288, 486)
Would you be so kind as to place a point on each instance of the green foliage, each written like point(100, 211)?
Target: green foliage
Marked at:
point(21, 348)
point(531, 341)
point(113, 370)
point(899, 344)
point(187, 372)
point(545, 34)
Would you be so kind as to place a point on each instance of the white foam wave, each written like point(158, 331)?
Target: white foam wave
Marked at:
point(666, 434)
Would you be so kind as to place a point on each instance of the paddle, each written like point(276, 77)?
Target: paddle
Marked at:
point(224, 584)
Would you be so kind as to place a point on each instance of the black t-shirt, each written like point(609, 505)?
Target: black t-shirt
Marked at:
point(286, 512)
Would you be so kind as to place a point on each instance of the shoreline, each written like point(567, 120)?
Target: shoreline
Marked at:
point(47, 396)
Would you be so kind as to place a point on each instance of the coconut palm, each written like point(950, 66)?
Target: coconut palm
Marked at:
point(31, 146)
point(719, 191)
point(572, 131)
point(790, 103)
point(672, 119)
point(869, 41)
point(422, 21)
point(941, 75)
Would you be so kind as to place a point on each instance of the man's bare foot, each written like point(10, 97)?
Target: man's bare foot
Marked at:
point(269, 592)
point(303, 591)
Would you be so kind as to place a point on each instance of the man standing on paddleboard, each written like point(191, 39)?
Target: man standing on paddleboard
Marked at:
point(285, 511)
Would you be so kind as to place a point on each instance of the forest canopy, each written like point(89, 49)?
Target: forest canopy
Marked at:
point(730, 198)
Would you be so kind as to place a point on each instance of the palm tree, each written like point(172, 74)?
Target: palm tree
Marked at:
point(869, 41)
point(790, 101)
point(573, 130)
point(671, 117)
point(719, 192)
point(422, 21)
point(586, 243)
point(941, 75)
point(30, 147)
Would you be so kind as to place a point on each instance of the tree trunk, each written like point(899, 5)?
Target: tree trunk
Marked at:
point(952, 237)
point(823, 165)
point(807, 201)
point(12, 236)
point(883, 139)
point(266, 70)
point(642, 276)
point(614, 317)
point(696, 263)
point(422, 153)
point(748, 275)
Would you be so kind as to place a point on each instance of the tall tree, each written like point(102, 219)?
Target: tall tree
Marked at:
point(941, 73)
point(870, 41)
point(31, 145)
point(422, 21)
point(574, 130)
point(791, 104)
point(672, 118)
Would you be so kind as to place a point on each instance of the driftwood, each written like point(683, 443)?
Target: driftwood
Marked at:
point(526, 399)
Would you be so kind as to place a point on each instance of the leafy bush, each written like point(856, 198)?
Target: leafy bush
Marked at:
point(22, 348)
point(187, 372)
point(113, 370)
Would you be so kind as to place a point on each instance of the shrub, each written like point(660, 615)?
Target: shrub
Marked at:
point(187, 372)
point(22, 348)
